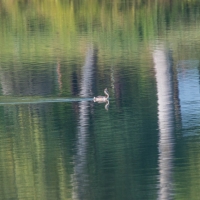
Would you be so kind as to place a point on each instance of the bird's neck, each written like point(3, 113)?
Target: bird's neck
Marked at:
point(107, 95)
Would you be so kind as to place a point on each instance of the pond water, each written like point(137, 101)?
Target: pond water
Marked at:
point(56, 142)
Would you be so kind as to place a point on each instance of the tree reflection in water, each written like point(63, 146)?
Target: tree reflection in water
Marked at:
point(80, 172)
point(163, 69)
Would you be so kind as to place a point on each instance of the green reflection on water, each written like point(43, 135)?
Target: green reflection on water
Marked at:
point(43, 46)
point(35, 157)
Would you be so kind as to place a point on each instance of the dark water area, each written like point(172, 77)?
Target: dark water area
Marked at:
point(56, 142)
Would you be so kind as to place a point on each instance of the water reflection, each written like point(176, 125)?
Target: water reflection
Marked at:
point(28, 82)
point(189, 90)
point(163, 69)
point(80, 171)
point(114, 154)
point(107, 103)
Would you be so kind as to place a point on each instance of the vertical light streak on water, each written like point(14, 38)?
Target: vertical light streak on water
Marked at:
point(80, 176)
point(163, 69)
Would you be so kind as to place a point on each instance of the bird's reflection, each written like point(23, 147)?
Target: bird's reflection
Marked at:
point(106, 103)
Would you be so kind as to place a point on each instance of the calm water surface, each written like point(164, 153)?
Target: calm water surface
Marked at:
point(56, 143)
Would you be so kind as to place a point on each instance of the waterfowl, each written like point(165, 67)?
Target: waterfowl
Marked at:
point(102, 98)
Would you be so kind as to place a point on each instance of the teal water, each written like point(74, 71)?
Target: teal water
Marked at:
point(56, 142)
point(38, 100)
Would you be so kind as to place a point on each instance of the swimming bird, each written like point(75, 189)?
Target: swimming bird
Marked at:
point(102, 98)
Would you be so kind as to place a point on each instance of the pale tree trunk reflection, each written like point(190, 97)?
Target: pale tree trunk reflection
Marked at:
point(80, 161)
point(163, 69)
